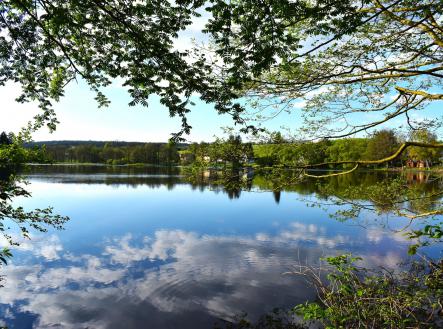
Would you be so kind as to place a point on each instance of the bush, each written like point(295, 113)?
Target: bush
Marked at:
point(356, 297)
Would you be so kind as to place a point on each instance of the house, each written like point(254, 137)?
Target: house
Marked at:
point(417, 163)
point(186, 157)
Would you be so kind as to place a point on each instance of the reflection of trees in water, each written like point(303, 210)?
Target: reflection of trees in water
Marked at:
point(231, 182)
point(103, 169)
point(387, 193)
point(414, 191)
point(406, 195)
point(154, 177)
point(417, 176)
point(410, 194)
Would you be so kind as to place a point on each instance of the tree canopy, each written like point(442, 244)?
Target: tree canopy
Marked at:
point(46, 44)
point(381, 57)
point(419, 153)
point(382, 144)
point(342, 57)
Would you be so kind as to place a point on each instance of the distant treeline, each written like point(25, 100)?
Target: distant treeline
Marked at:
point(232, 151)
point(110, 152)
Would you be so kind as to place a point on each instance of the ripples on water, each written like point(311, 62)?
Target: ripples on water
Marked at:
point(148, 250)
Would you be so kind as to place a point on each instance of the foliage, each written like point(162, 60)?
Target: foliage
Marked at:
point(356, 65)
point(12, 152)
point(419, 153)
point(347, 149)
point(47, 44)
point(5, 139)
point(267, 154)
point(109, 153)
point(377, 147)
point(356, 297)
point(276, 138)
point(382, 144)
point(13, 156)
point(230, 150)
point(276, 51)
point(425, 236)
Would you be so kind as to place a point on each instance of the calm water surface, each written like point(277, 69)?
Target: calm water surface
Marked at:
point(146, 249)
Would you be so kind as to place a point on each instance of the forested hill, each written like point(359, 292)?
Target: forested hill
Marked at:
point(110, 152)
point(73, 143)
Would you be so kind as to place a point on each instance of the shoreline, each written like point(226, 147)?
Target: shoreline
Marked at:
point(253, 167)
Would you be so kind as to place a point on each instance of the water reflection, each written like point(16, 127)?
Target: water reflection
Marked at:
point(230, 183)
point(172, 279)
point(151, 248)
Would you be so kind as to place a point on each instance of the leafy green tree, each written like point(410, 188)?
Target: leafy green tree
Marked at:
point(201, 151)
point(4, 139)
point(266, 154)
point(425, 154)
point(168, 154)
point(86, 154)
point(138, 155)
point(382, 144)
point(311, 153)
point(233, 150)
point(276, 138)
point(276, 51)
point(289, 154)
point(347, 149)
point(13, 155)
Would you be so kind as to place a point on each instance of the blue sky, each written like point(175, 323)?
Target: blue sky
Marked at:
point(81, 119)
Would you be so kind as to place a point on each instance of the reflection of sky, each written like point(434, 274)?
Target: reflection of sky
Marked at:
point(162, 258)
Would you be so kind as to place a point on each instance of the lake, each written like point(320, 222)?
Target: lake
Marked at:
point(150, 248)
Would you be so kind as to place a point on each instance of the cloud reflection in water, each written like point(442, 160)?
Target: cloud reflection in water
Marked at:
point(173, 279)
